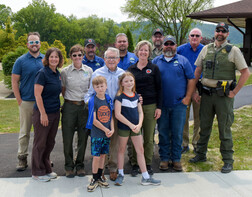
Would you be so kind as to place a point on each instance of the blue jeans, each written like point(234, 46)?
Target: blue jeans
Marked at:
point(170, 127)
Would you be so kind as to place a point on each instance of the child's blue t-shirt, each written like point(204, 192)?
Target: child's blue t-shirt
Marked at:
point(103, 113)
point(129, 109)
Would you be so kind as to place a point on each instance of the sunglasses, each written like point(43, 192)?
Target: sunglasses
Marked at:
point(34, 42)
point(221, 30)
point(79, 55)
point(195, 35)
point(167, 44)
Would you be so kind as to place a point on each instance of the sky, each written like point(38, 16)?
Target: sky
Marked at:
point(84, 8)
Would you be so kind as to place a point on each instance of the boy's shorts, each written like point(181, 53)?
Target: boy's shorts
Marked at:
point(127, 133)
point(99, 146)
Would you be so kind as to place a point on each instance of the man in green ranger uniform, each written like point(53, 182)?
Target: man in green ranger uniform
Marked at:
point(218, 62)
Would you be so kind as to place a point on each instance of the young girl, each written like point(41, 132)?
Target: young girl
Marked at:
point(128, 111)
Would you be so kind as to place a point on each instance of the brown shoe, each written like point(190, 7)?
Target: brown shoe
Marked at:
point(80, 173)
point(163, 165)
point(112, 176)
point(22, 163)
point(177, 166)
point(70, 174)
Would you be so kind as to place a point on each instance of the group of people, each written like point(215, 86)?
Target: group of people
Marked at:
point(126, 95)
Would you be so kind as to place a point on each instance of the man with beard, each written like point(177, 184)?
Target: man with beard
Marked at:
point(90, 59)
point(126, 58)
point(23, 75)
point(191, 51)
point(218, 62)
point(157, 39)
point(177, 86)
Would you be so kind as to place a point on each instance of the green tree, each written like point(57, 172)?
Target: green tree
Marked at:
point(37, 16)
point(170, 15)
point(7, 39)
point(22, 41)
point(130, 41)
point(5, 12)
point(8, 62)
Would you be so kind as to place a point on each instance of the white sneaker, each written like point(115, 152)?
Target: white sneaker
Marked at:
point(52, 175)
point(44, 178)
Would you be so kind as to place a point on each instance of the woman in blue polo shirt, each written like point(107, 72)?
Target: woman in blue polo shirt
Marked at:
point(46, 114)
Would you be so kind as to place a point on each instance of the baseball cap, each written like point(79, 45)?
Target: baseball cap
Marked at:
point(223, 25)
point(158, 31)
point(169, 38)
point(89, 41)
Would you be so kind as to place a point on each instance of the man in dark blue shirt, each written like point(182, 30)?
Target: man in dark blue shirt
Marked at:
point(126, 58)
point(90, 59)
point(191, 51)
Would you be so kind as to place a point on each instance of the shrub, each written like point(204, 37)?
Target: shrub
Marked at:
point(8, 62)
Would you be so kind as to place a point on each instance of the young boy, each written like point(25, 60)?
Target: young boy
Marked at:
point(100, 122)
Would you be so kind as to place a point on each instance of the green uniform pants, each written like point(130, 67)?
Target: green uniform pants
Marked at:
point(148, 127)
point(74, 118)
point(223, 108)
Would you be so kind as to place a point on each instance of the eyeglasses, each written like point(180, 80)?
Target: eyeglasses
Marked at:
point(75, 55)
point(169, 43)
point(195, 35)
point(221, 30)
point(34, 42)
point(111, 58)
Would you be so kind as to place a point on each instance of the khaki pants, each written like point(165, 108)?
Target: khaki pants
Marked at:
point(196, 125)
point(25, 116)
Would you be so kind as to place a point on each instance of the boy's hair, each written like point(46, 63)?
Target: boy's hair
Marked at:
point(120, 91)
point(99, 80)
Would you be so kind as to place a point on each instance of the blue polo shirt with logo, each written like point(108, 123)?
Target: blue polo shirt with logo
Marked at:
point(96, 63)
point(51, 82)
point(27, 67)
point(174, 76)
point(128, 60)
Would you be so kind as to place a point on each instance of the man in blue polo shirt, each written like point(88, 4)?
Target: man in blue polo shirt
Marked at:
point(191, 51)
point(126, 58)
point(177, 86)
point(90, 59)
point(23, 75)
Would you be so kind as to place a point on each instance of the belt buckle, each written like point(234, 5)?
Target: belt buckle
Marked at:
point(78, 103)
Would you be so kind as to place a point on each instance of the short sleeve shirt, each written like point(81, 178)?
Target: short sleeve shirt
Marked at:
point(129, 109)
point(51, 82)
point(27, 67)
point(103, 115)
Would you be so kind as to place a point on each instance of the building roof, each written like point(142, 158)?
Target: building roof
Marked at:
point(237, 12)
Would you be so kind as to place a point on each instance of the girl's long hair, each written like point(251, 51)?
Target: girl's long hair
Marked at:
point(120, 91)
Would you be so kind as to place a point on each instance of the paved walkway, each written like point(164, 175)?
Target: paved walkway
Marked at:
point(195, 184)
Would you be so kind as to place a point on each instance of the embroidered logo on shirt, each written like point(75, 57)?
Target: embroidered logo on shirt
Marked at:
point(85, 74)
point(175, 63)
point(97, 64)
point(224, 51)
point(132, 60)
point(148, 71)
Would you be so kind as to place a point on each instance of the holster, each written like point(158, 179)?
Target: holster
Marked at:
point(199, 87)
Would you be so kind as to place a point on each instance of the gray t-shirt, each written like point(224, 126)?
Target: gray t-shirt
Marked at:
point(103, 113)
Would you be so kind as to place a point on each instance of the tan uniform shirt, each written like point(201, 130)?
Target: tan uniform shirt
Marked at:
point(234, 56)
point(76, 81)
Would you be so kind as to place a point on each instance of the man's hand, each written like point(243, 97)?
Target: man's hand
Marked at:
point(196, 97)
point(157, 114)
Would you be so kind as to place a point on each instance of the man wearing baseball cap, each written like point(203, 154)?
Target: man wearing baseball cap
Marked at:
point(157, 40)
point(177, 86)
point(90, 59)
point(218, 62)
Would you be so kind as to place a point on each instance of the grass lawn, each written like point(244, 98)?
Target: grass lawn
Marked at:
point(242, 138)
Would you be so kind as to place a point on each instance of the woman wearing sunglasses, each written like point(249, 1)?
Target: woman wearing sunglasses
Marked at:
point(75, 83)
